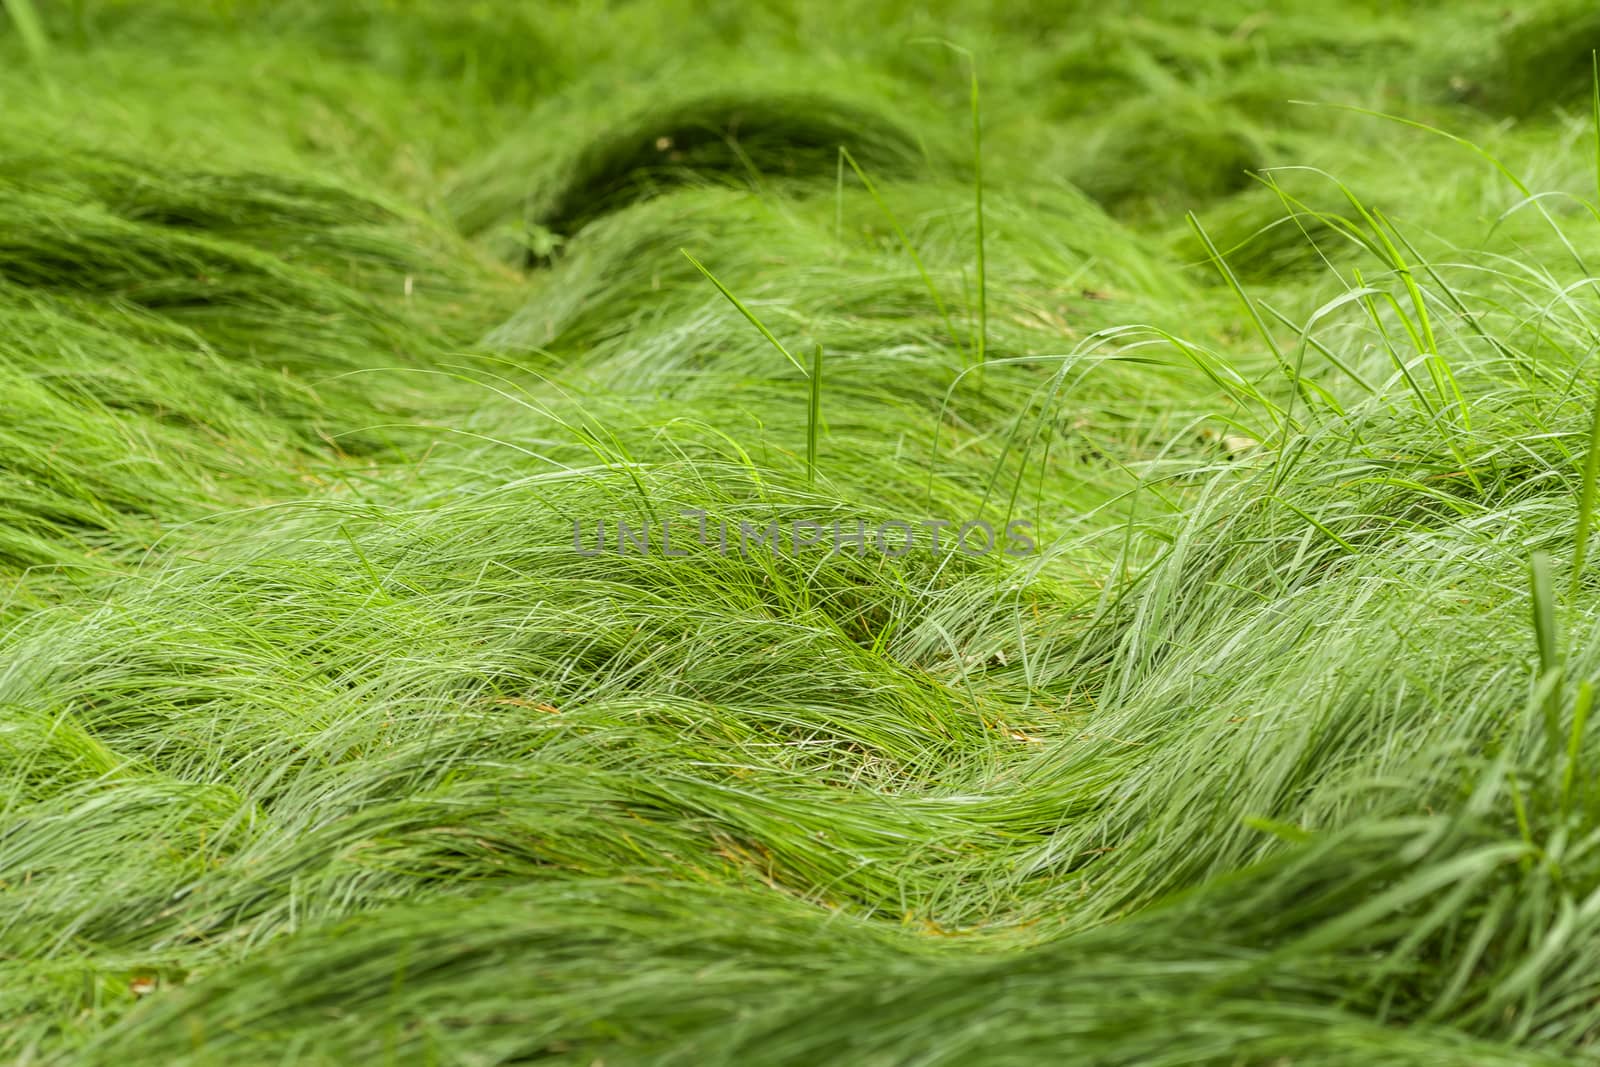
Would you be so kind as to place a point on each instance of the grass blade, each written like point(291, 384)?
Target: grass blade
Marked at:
point(977, 193)
point(900, 234)
point(1594, 68)
point(1586, 500)
point(1544, 631)
point(1580, 719)
point(746, 312)
point(30, 28)
point(814, 416)
point(1250, 309)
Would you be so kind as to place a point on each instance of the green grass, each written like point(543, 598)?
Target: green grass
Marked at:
point(325, 329)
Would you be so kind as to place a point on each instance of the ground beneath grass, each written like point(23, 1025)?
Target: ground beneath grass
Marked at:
point(470, 477)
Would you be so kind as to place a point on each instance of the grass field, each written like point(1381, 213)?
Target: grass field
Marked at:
point(1264, 341)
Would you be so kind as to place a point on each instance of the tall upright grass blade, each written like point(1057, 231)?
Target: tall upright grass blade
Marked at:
point(1586, 500)
point(838, 202)
point(977, 194)
point(814, 407)
point(1545, 637)
point(1594, 115)
point(1580, 719)
point(814, 415)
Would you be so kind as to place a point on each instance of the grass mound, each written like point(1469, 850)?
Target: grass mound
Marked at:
point(1155, 154)
point(1543, 61)
point(794, 138)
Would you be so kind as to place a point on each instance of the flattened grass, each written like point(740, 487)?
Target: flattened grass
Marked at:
point(323, 740)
